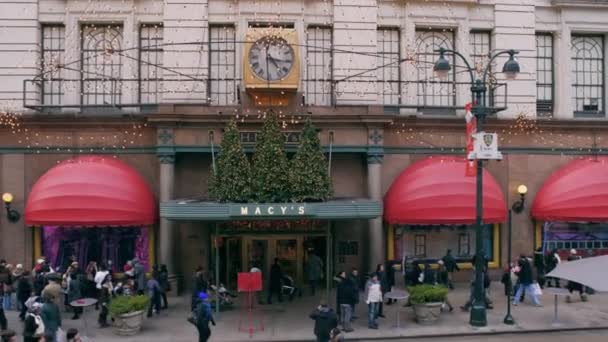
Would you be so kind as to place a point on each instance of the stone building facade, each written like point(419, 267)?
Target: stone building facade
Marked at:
point(153, 83)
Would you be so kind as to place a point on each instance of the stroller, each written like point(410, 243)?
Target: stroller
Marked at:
point(224, 295)
point(289, 288)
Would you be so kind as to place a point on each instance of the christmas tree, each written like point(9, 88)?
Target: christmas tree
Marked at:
point(270, 177)
point(231, 181)
point(309, 177)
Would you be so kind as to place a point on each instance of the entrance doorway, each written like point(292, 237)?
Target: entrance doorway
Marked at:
point(240, 254)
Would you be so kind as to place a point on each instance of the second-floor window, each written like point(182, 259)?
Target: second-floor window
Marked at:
point(544, 74)
point(150, 63)
point(53, 49)
point(318, 85)
point(223, 82)
point(432, 92)
point(101, 57)
point(588, 75)
point(388, 73)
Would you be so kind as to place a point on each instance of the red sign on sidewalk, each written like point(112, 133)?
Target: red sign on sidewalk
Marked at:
point(249, 281)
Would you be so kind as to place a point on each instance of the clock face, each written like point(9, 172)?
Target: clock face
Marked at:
point(271, 59)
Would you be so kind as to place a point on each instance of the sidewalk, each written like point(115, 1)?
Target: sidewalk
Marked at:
point(289, 321)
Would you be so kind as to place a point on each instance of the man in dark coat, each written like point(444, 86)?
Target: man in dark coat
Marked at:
point(24, 290)
point(276, 276)
point(526, 279)
point(204, 316)
point(355, 287)
point(451, 266)
point(344, 300)
point(140, 276)
point(325, 320)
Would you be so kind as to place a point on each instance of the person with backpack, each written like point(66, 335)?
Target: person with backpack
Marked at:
point(202, 316)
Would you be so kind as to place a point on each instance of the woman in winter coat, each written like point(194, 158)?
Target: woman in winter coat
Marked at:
point(373, 299)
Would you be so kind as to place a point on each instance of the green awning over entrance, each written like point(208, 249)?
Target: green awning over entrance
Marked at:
point(193, 210)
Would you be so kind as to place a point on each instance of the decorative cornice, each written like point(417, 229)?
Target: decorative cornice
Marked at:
point(375, 158)
point(165, 136)
point(167, 158)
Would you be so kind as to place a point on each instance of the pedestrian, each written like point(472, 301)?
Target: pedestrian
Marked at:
point(199, 284)
point(17, 274)
point(7, 301)
point(325, 320)
point(526, 281)
point(3, 321)
point(165, 286)
point(485, 280)
point(276, 276)
point(24, 291)
point(51, 318)
point(128, 269)
point(73, 335)
point(314, 270)
point(53, 290)
point(354, 281)
point(336, 335)
point(552, 259)
point(6, 282)
point(572, 285)
point(373, 295)
point(416, 274)
point(75, 293)
point(451, 266)
point(203, 316)
point(344, 299)
point(33, 327)
point(390, 277)
point(506, 281)
point(8, 336)
point(442, 274)
point(105, 296)
point(153, 289)
point(90, 285)
point(428, 277)
point(384, 286)
point(140, 276)
point(540, 266)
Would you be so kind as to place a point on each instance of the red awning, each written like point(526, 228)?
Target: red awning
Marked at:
point(436, 190)
point(576, 192)
point(91, 191)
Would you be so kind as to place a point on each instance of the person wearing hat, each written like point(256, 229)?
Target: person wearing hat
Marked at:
point(53, 290)
point(203, 315)
point(572, 285)
point(442, 274)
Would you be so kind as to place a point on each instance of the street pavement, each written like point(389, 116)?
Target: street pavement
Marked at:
point(290, 322)
point(561, 336)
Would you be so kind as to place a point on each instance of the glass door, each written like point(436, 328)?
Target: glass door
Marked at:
point(233, 261)
point(288, 253)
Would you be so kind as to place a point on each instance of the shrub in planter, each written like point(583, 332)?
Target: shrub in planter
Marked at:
point(427, 301)
point(128, 313)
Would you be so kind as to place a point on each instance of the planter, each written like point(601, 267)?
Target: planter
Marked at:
point(128, 324)
point(427, 313)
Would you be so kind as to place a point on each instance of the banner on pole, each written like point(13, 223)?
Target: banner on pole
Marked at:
point(471, 129)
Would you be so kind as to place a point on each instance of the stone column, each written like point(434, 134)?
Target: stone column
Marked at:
point(166, 238)
point(375, 156)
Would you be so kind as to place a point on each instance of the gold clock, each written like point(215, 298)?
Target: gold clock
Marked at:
point(271, 59)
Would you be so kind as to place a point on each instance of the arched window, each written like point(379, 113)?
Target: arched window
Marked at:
point(432, 91)
point(101, 65)
point(588, 75)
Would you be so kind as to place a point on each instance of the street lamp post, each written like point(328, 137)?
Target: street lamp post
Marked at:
point(478, 93)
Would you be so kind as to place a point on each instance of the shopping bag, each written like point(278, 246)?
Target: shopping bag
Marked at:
point(536, 290)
